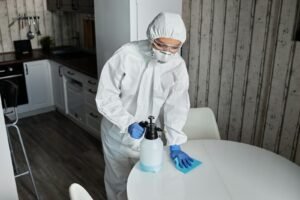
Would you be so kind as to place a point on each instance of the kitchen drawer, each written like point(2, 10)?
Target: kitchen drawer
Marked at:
point(89, 97)
point(93, 119)
point(75, 100)
point(91, 83)
point(70, 73)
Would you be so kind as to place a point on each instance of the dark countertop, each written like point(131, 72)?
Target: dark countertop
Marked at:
point(11, 58)
point(85, 63)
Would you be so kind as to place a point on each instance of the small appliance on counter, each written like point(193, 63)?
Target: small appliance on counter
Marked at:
point(22, 47)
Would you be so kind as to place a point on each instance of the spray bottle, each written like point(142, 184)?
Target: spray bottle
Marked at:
point(151, 155)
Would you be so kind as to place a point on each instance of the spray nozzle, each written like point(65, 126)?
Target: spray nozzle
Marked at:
point(151, 128)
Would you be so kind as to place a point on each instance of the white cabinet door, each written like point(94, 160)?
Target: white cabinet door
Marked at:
point(58, 86)
point(93, 117)
point(39, 84)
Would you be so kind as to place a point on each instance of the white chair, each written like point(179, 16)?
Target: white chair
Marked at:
point(201, 124)
point(77, 192)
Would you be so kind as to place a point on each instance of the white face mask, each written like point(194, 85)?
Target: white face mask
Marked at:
point(162, 56)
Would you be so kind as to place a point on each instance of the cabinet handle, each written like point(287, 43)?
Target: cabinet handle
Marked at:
point(93, 115)
point(26, 69)
point(71, 73)
point(91, 91)
point(91, 82)
point(76, 115)
point(2, 71)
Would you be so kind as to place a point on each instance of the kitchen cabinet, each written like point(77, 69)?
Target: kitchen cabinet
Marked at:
point(93, 121)
point(80, 97)
point(84, 6)
point(53, 5)
point(39, 84)
point(74, 95)
point(58, 86)
point(62, 5)
point(66, 5)
point(93, 117)
point(90, 90)
point(118, 22)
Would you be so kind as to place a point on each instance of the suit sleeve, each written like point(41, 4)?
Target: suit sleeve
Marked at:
point(108, 99)
point(176, 109)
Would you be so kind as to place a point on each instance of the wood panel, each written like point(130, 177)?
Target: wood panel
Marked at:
point(186, 9)
point(228, 65)
point(21, 9)
point(5, 33)
point(205, 52)
point(216, 54)
point(30, 11)
point(194, 52)
point(60, 26)
point(47, 21)
point(290, 125)
point(11, 14)
point(256, 66)
point(244, 64)
point(241, 70)
point(280, 75)
point(65, 26)
point(266, 79)
point(39, 11)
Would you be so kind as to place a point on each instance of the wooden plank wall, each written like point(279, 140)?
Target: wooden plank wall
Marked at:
point(245, 65)
point(62, 27)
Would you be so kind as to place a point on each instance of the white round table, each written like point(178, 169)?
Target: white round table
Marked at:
point(230, 170)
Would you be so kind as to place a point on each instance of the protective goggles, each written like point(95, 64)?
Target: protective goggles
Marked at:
point(164, 47)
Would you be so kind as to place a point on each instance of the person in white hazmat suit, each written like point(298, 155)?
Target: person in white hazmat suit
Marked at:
point(143, 78)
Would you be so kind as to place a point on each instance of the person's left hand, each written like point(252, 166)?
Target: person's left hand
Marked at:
point(177, 155)
point(136, 131)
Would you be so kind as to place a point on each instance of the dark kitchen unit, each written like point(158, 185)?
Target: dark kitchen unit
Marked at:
point(15, 74)
point(83, 6)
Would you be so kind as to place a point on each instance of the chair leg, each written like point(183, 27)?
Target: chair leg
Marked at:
point(27, 161)
point(12, 152)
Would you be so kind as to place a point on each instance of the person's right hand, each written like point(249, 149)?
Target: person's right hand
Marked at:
point(180, 157)
point(136, 131)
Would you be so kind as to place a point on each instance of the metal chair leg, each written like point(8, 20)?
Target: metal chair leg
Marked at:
point(27, 161)
point(12, 152)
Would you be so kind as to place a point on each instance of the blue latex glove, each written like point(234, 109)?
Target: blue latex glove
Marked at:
point(135, 130)
point(179, 157)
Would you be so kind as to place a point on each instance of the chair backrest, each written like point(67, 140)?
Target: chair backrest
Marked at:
point(77, 192)
point(9, 93)
point(201, 124)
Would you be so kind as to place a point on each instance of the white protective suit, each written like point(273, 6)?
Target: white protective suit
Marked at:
point(134, 85)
